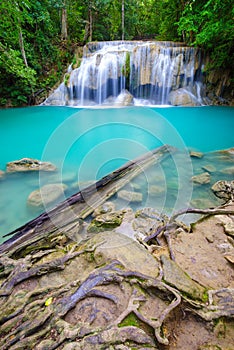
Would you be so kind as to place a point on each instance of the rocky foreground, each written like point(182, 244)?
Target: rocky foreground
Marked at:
point(125, 279)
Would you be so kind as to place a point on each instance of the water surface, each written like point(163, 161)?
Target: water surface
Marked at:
point(86, 144)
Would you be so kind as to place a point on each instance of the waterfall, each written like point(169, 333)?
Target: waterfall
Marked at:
point(153, 73)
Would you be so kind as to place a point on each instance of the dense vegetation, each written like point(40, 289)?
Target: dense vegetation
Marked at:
point(38, 38)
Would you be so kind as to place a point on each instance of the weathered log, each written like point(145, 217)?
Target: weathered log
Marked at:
point(68, 215)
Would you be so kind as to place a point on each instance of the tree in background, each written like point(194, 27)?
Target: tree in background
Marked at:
point(210, 25)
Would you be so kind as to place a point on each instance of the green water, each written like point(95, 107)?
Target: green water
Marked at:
point(86, 144)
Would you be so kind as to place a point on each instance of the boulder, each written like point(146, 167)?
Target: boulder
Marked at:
point(124, 99)
point(223, 189)
point(116, 246)
point(182, 97)
point(46, 195)
point(29, 164)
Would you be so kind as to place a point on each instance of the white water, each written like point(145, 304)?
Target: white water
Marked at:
point(148, 70)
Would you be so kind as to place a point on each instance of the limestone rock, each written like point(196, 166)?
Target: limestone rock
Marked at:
point(113, 245)
point(29, 164)
point(2, 174)
point(223, 189)
point(106, 222)
point(209, 168)
point(46, 195)
point(124, 98)
point(181, 97)
point(176, 277)
point(130, 196)
point(107, 207)
point(201, 179)
point(196, 154)
point(155, 190)
point(228, 171)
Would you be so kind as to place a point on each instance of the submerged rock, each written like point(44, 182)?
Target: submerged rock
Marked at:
point(196, 154)
point(201, 179)
point(46, 195)
point(2, 174)
point(29, 164)
point(130, 196)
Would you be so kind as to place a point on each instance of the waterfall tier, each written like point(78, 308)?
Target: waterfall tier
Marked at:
point(153, 73)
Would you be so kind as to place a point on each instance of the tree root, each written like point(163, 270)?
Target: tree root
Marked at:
point(172, 224)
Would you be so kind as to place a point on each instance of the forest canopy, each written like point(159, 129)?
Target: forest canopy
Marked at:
point(38, 38)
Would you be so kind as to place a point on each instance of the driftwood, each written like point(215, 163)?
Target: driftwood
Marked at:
point(67, 216)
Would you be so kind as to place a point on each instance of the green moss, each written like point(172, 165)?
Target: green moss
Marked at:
point(66, 79)
point(130, 320)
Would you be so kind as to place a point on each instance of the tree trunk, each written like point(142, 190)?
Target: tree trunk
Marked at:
point(90, 22)
point(21, 43)
point(122, 19)
point(64, 22)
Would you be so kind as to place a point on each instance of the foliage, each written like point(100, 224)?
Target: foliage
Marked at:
point(209, 24)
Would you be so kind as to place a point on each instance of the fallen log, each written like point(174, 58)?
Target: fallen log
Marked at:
point(67, 216)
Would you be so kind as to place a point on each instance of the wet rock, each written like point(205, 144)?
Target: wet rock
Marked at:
point(155, 190)
point(113, 245)
point(2, 174)
point(176, 277)
point(203, 203)
point(196, 154)
point(29, 164)
point(107, 207)
point(181, 97)
point(209, 168)
point(46, 195)
point(124, 98)
point(130, 196)
point(106, 222)
point(223, 189)
point(201, 179)
point(228, 170)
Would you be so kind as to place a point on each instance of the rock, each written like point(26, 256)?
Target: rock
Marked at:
point(46, 195)
point(107, 207)
point(116, 246)
point(130, 196)
point(209, 168)
point(176, 277)
point(229, 228)
point(106, 222)
point(203, 203)
point(124, 98)
point(196, 154)
point(182, 97)
point(201, 179)
point(223, 189)
point(228, 171)
point(29, 164)
point(155, 190)
point(2, 174)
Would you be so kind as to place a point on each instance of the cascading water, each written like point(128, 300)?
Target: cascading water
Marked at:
point(128, 72)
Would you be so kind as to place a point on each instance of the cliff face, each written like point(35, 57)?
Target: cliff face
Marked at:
point(220, 87)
